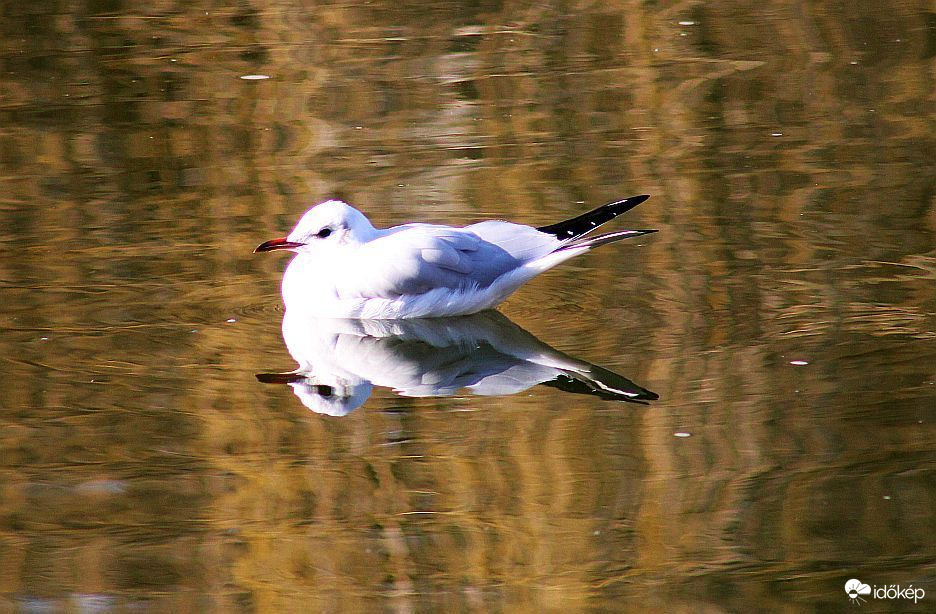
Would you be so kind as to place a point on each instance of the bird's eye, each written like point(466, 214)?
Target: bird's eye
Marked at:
point(323, 233)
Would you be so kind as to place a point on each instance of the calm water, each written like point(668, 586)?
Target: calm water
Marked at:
point(785, 313)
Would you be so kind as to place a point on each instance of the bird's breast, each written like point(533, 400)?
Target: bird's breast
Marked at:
point(308, 281)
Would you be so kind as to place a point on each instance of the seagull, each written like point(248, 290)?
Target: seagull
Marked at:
point(346, 268)
point(341, 361)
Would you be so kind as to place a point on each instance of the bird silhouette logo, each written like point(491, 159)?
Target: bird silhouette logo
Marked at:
point(854, 589)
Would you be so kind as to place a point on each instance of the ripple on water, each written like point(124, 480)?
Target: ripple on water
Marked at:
point(260, 309)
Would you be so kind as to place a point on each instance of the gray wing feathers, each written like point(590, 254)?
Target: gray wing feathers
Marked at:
point(418, 259)
point(524, 243)
point(450, 258)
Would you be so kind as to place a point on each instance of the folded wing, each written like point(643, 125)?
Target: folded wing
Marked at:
point(415, 259)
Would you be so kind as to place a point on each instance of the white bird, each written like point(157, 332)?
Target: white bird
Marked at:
point(346, 268)
point(341, 360)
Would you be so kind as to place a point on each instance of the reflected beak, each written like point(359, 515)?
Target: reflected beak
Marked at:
point(280, 243)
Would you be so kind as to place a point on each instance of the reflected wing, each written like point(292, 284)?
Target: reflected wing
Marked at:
point(418, 258)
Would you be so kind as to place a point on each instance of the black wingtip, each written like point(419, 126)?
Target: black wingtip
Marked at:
point(633, 201)
point(639, 198)
point(585, 223)
point(625, 204)
point(610, 237)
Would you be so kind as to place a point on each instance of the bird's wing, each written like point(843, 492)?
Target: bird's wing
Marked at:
point(524, 243)
point(417, 258)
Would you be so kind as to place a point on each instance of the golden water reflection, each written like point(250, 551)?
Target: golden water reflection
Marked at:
point(788, 148)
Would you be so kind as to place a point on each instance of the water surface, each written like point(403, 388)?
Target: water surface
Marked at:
point(784, 313)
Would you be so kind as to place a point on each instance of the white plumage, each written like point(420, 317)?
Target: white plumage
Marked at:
point(346, 268)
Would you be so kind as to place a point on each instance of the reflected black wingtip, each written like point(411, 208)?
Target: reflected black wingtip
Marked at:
point(622, 389)
point(279, 378)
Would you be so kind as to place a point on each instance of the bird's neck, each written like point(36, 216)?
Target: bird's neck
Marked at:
point(365, 233)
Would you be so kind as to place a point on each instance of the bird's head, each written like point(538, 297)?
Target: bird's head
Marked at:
point(323, 228)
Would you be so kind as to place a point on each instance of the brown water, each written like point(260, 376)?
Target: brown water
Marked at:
point(789, 151)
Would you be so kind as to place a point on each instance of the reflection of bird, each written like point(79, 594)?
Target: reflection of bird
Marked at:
point(346, 268)
point(486, 354)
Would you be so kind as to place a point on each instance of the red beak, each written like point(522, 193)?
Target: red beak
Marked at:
point(280, 243)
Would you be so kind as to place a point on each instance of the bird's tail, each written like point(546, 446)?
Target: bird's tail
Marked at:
point(571, 235)
point(610, 237)
point(572, 229)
